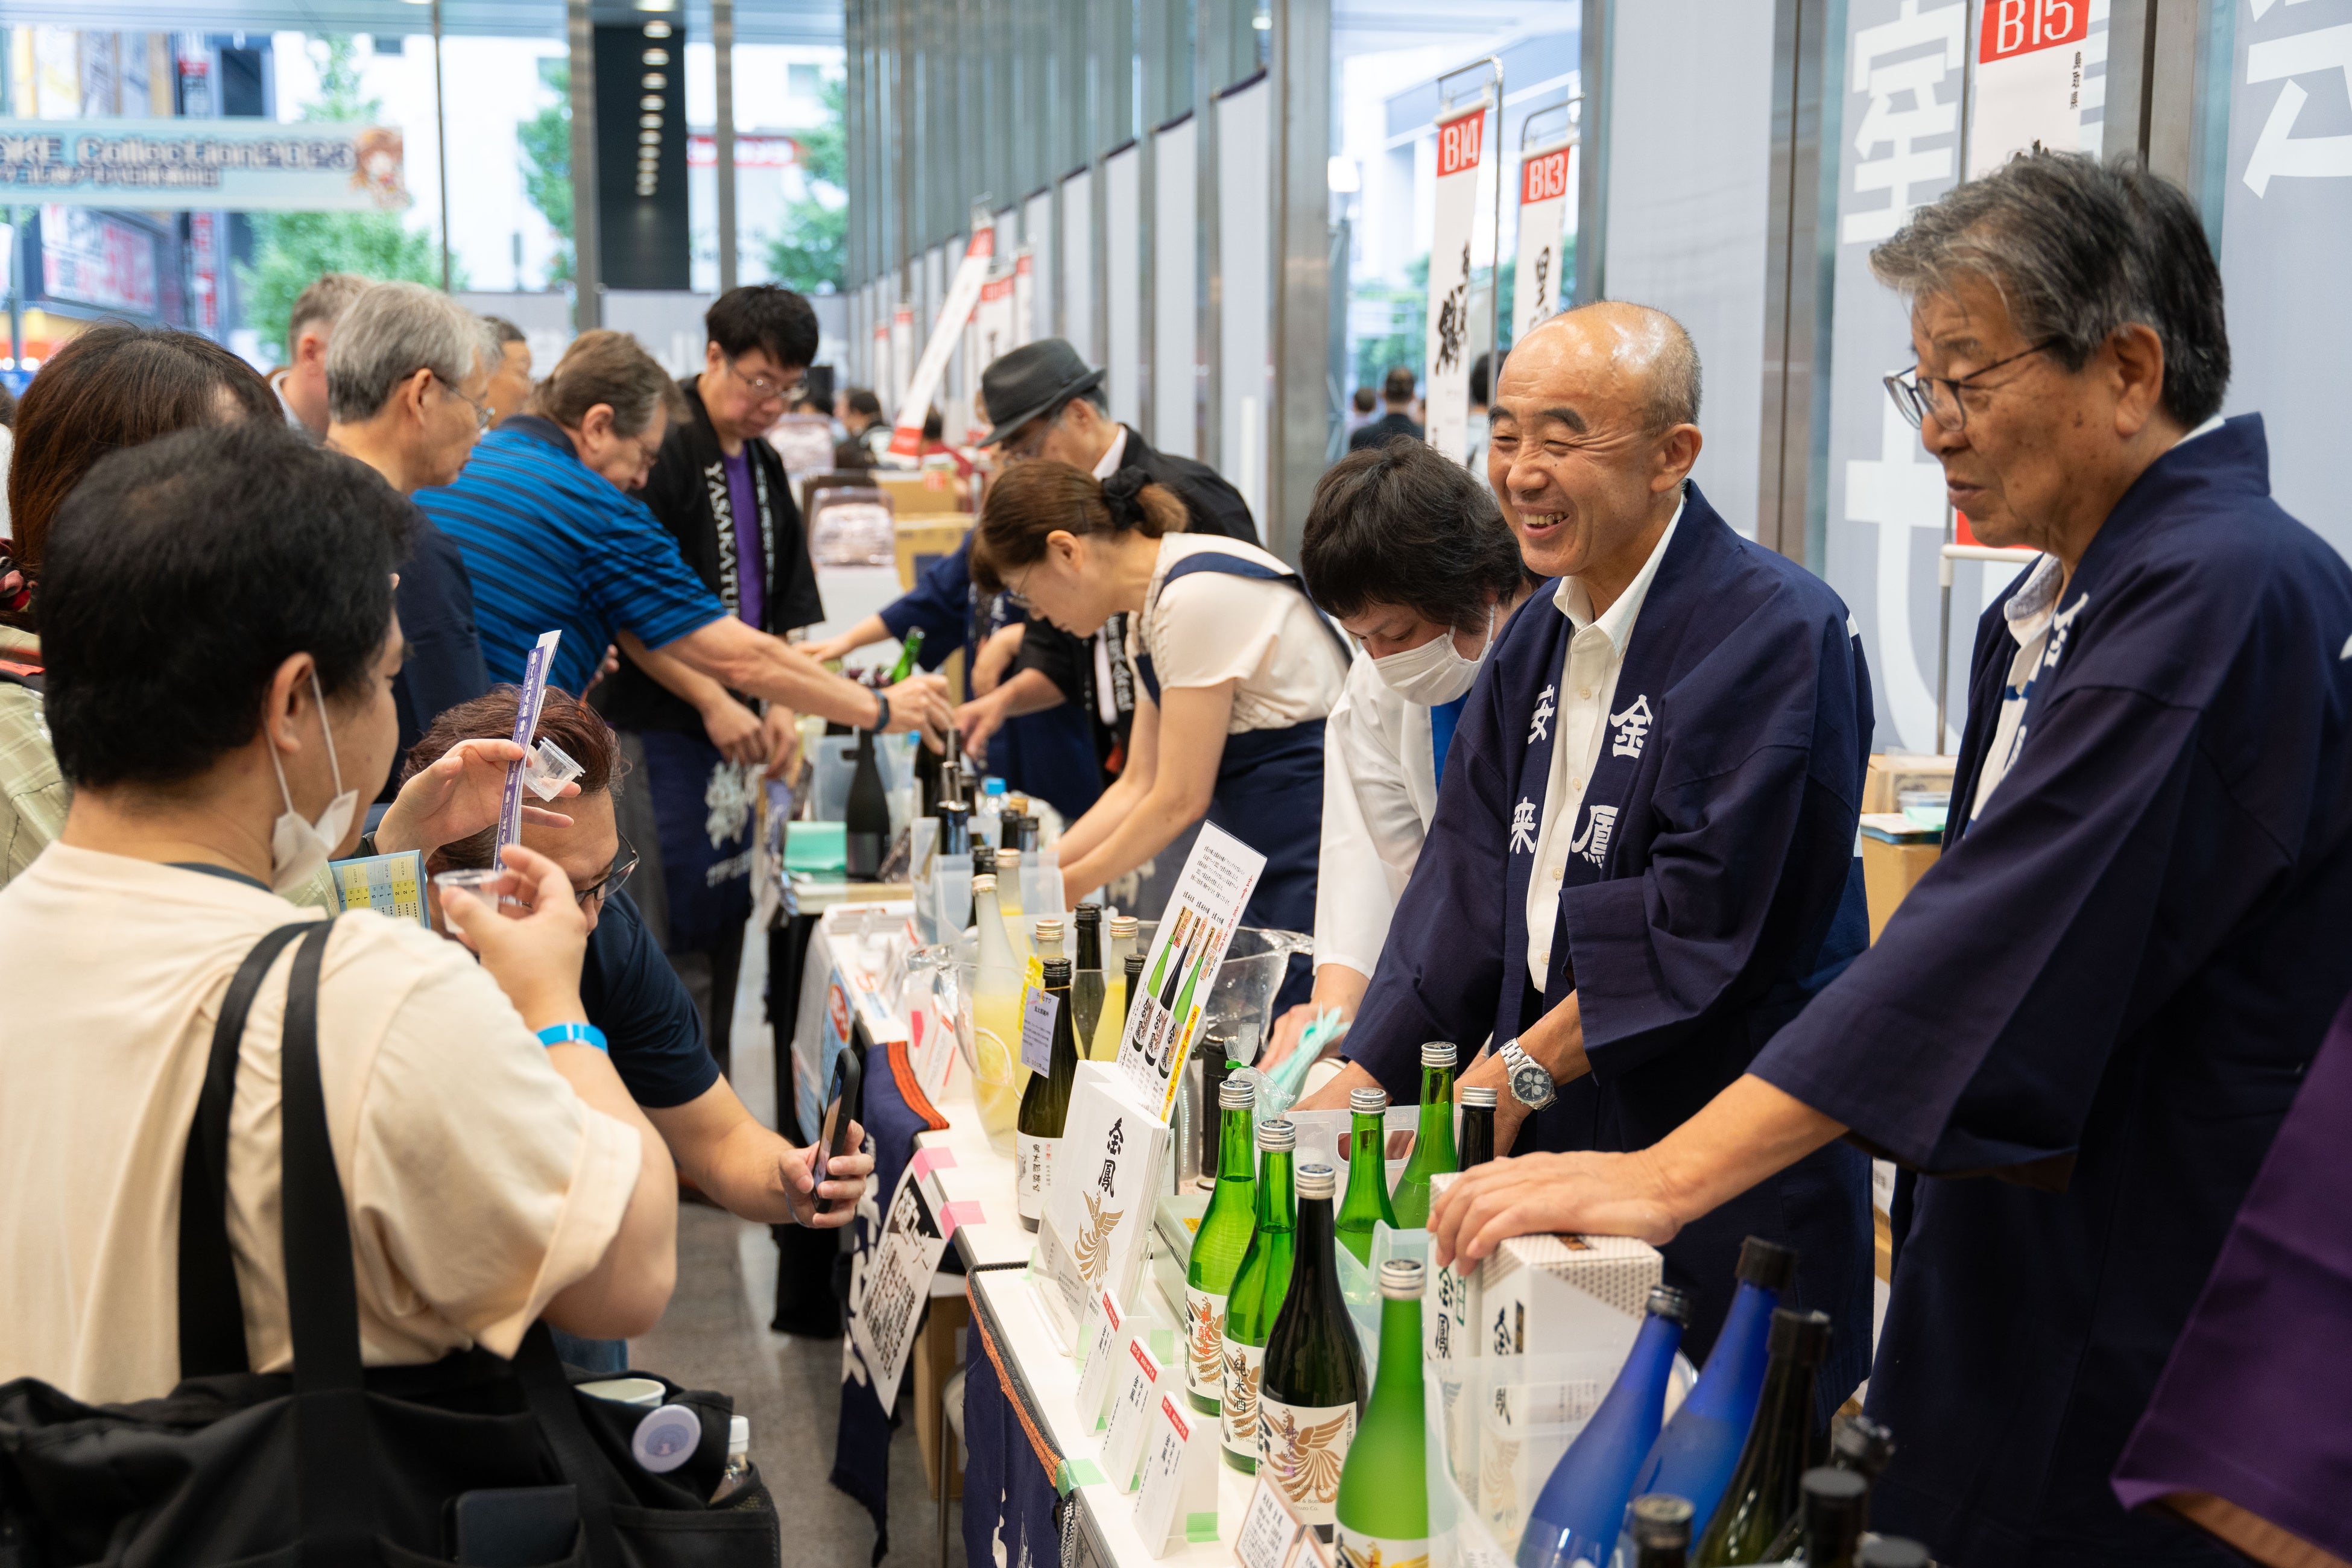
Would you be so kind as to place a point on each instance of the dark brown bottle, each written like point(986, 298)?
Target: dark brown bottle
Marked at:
point(1856, 1443)
point(1478, 1138)
point(1836, 1505)
point(1660, 1523)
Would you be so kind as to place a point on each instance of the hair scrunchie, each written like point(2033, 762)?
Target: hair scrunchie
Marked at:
point(1123, 497)
point(16, 585)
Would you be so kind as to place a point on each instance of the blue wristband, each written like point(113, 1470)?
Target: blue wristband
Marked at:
point(574, 1034)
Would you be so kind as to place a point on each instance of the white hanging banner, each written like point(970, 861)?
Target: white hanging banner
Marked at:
point(2029, 85)
point(1024, 297)
point(902, 353)
point(993, 323)
point(880, 375)
point(1446, 388)
point(963, 294)
point(1547, 185)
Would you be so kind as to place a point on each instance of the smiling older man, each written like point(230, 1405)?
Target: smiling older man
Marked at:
point(2084, 1024)
point(1660, 771)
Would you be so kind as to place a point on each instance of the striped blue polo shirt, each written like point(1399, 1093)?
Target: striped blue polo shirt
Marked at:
point(552, 545)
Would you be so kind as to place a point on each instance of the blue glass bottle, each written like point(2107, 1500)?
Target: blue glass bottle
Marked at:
point(1696, 1454)
point(1575, 1516)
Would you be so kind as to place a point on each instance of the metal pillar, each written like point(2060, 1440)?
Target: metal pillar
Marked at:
point(588, 303)
point(1301, 77)
point(1592, 164)
point(722, 47)
point(441, 144)
point(1796, 302)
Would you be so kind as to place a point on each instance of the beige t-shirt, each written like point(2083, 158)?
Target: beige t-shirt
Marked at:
point(478, 1186)
point(1212, 627)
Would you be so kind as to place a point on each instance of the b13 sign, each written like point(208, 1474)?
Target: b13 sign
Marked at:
point(1545, 178)
point(2029, 61)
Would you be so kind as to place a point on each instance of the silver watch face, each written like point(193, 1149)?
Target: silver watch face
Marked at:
point(1531, 1084)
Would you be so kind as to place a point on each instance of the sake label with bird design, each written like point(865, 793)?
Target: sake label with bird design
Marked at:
point(1302, 1448)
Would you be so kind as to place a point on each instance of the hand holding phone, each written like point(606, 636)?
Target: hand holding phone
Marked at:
point(832, 1138)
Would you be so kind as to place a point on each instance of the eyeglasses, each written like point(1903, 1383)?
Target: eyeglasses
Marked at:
point(1017, 597)
point(483, 414)
point(767, 391)
point(1921, 397)
point(625, 861)
point(1027, 445)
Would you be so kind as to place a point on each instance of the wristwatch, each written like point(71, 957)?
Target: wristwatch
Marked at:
point(881, 712)
point(1531, 1083)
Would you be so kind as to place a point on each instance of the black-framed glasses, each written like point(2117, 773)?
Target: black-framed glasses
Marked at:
point(1921, 397)
point(765, 389)
point(483, 413)
point(615, 878)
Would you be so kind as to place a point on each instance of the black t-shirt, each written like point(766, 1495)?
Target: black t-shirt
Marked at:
point(649, 1022)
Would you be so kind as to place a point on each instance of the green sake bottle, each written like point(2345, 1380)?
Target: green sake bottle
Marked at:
point(1764, 1490)
point(1217, 1249)
point(1310, 1394)
point(1382, 1510)
point(1432, 1146)
point(1258, 1293)
point(1366, 1201)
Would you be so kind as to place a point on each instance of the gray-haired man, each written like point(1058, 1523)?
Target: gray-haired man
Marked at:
point(407, 376)
point(301, 382)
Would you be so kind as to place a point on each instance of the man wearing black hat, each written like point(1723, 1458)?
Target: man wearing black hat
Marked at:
point(1049, 406)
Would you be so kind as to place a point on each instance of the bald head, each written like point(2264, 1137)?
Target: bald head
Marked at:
point(1594, 426)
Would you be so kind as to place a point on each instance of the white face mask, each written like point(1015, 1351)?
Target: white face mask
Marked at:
point(298, 849)
point(1435, 672)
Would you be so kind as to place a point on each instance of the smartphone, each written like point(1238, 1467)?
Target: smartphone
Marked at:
point(832, 1138)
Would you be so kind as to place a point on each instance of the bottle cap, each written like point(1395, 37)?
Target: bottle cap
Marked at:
point(1315, 1182)
point(1764, 1263)
point(1478, 1098)
point(1665, 1302)
point(1400, 1278)
point(1437, 1053)
point(984, 858)
point(994, 786)
point(1834, 1487)
point(1662, 1518)
point(1892, 1552)
point(956, 806)
point(1122, 925)
point(1277, 1136)
point(1805, 1336)
point(1237, 1094)
point(1367, 1101)
point(1089, 914)
point(1863, 1444)
point(1134, 964)
point(738, 1435)
point(1057, 972)
point(1049, 928)
point(666, 1438)
point(1016, 804)
point(982, 881)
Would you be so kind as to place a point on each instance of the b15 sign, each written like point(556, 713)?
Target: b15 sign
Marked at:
point(2031, 56)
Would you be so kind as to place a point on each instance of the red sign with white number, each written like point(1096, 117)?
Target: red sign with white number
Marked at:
point(2021, 27)
point(1544, 177)
point(1461, 143)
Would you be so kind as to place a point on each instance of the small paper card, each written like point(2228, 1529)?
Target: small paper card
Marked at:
point(390, 885)
point(888, 1295)
point(1037, 1012)
point(1141, 1384)
point(1098, 1347)
point(1181, 970)
point(1271, 1533)
point(1178, 1503)
point(536, 665)
point(1107, 1174)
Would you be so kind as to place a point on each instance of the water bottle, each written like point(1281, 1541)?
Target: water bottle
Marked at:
point(738, 1473)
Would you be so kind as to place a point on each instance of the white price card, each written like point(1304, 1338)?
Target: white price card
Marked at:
point(1100, 1343)
point(1178, 1504)
point(1272, 1534)
point(1141, 1380)
point(1037, 1014)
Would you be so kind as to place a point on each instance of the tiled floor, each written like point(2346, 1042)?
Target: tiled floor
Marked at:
point(715, 1335)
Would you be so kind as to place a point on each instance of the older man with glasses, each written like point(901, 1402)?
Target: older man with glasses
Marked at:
point(2081, 1031)
point(408, 375)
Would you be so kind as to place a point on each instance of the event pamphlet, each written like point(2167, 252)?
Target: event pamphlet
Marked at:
point(1180, 970)
point(389, 884)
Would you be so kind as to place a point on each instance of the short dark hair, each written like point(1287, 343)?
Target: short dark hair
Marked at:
point(2080, 249)
point(1482, 375)
point(183, 572)
point(1365, 399)
point(1404, 524)
point(863, 403)
point(117, 385)
point(503, 332)
point(764, 316)
point(578, 729)
point(1397, 386)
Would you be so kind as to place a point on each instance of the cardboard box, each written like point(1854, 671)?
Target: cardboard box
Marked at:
point(1892, 773)
point(1895, 853)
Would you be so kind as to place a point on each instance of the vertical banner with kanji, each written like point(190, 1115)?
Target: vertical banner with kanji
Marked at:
point(1445, 384)
point(963, 294)
point(1547, 195)
point(902, 353)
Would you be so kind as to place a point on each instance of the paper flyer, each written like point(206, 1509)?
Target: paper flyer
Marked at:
point(893, 1285)
point(389, 884)
point(1180, 970)
point(534, 687)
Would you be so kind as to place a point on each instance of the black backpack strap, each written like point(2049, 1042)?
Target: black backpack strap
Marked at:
point(337, 1453)
point(212, 1316)
point(583, 1464)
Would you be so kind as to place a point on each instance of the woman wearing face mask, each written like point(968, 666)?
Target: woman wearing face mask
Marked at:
point(1237, 671)
point(1408, 550)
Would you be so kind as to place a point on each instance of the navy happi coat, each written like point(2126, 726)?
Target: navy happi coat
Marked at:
point(1713, 889)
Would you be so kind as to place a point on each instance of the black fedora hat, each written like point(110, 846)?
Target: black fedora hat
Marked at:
point(1033, 379)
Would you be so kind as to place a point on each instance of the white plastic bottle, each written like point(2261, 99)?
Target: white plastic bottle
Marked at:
point(738, 1472)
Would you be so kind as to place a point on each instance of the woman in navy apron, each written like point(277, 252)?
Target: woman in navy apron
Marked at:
point(1238, 671)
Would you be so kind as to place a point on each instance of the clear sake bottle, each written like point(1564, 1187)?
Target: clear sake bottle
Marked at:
point(1310, 1394)
point(1217, 1249)
point(1432, 1146)
point(1367, 1200)
point(1259, 1291)
point(995, 1013)
point(1382, 1509)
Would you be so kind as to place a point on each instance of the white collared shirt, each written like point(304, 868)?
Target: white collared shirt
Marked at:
point(2033, 613)
point(1588, 684)
point(1106, 693)
point(1114, 455)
